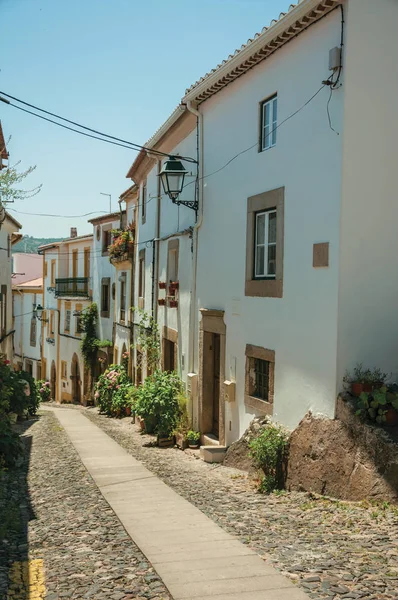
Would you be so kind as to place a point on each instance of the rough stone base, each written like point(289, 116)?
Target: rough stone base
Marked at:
point(343, 458)
point(237, 455)
point(213, 454)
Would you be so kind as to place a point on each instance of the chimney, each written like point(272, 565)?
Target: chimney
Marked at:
point(73, 232)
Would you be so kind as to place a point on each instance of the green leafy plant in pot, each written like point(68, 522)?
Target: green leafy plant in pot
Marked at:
point(379, 406)
point(193, 438)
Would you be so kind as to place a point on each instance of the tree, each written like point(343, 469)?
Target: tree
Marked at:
point(10, 180)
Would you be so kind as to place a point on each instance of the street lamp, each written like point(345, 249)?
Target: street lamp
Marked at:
point(39, 313)
point(172, 177)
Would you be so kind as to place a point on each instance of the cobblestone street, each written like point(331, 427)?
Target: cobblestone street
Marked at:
point(76, 547)
point(332, 549)
point(85, 550)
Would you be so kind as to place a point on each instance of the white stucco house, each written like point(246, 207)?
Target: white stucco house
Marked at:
point(27, 296)
point(67, 290)
point(163, 279)
point(9, 235)
point(286, 276)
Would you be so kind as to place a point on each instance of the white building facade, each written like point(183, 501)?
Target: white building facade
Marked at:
point(27, 328)
point(9, 235)
point(287, 232)
point(67, 291)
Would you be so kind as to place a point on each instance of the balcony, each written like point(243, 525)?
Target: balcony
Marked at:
point(72, 287)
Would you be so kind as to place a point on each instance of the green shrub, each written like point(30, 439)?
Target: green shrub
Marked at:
point(10, 444)
point(107, 386)
point(193, 437)
point(268, 452)
point(183, 421)
point(157, 402)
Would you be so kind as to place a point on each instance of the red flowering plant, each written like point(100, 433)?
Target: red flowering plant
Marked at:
point(108, 385)
point(121, 243)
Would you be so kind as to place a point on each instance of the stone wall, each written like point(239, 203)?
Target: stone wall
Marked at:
point(343, 458)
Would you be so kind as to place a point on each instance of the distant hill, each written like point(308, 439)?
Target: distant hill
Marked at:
point(30, 244)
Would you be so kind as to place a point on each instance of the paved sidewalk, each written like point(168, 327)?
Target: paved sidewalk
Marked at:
point(195, 558)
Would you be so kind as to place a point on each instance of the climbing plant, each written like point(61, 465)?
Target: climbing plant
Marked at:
point(89, 343)
point(148, 339)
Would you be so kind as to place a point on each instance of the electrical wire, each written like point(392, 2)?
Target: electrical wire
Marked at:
point(104, 135)
point(23, 314)
point(61, 216)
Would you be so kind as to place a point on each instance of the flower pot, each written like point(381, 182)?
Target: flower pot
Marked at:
point(368, 387)
point(173, 303)
point(174, 285)
point(194, 445)
point(162, 302)
point(165, 441)
point(162, 285)
point(128, 411)
point(391, 417)
point(357, 389)
point(142, 424)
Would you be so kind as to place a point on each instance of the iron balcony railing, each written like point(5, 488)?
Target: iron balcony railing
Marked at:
point(72, 286)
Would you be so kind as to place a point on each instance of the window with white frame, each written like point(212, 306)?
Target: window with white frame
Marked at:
point(265, 244)
point(269, 116)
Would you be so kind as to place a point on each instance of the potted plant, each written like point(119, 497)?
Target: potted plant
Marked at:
point(173, 303)
point(358, 380)
point(156, 402)
point(379, 406)
point(193, 438)
point(173, 286)
point(162, 285)
point(183, 425)
point(162, 301)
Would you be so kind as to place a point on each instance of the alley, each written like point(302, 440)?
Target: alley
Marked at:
point(330, 549)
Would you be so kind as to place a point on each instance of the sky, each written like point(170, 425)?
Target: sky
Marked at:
point(119, 66)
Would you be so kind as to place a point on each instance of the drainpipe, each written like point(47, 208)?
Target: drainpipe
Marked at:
point(195, 237)
point(156, 245)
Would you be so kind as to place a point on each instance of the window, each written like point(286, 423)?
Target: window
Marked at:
point(264, 244)
point(64, 369)
point(123, 297)
point(105, 296)
point(33, 329)
point(141, 279)
point(172, 261)
point(106, 240)
point(38, 371)
point(29, 367)
point(78, 324)
point(67, 316)
point(259, 384)
point(143, 203)
point(53, 265)
point(169, 349)
point(268, 123)
point(87, 262)
point(75, 255)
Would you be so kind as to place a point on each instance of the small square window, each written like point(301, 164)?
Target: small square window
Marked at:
point(268, 123)
point(259, 384)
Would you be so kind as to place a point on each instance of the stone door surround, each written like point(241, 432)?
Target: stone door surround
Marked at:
point(212, 322)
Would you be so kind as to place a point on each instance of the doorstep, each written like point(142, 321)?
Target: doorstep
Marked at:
point(213, 454)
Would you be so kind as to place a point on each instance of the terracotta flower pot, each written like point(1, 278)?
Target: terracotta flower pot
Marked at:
point(173, 303)
point(162, 285)
point(128, 411)
point(391, 417)
point(162, 302)
point(367, 387)
point(357, 389)
point(142, 424)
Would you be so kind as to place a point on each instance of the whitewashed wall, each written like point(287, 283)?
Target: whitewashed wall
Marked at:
point(100, 268)
point(173, 219)
point(302, 326)
point(7, 228)
point(368, 300)
point(23, 304)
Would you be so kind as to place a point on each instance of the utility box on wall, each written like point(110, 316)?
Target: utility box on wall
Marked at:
point(229, 391)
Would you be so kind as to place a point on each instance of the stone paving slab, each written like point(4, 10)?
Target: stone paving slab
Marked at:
point(99, 453)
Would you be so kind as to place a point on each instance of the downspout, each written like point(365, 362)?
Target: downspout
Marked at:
point(195, 236)
point(156, 244)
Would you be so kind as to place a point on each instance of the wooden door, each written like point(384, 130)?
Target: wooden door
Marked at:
point(216, 384)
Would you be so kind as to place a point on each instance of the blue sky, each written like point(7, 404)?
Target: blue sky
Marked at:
point(120, 66)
